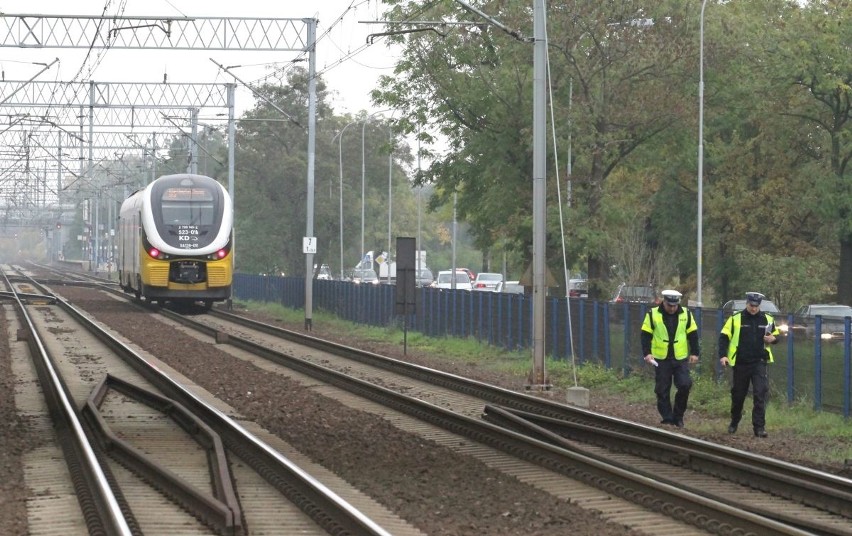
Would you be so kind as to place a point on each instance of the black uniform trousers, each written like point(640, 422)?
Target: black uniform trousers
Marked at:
point(753, 373)
point(667, 370)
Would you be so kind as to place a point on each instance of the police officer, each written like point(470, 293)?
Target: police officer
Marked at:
point(670, 343)
point(743, 345)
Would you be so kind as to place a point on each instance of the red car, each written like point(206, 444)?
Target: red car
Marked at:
point(635, 294)
point(470, 273)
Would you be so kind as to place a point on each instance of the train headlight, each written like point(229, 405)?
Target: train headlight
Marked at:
point(154, 253)
point(219, 255)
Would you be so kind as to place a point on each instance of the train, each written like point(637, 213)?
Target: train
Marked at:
point(175, 240)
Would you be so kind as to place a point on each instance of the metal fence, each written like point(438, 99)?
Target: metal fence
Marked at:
point(608, 334)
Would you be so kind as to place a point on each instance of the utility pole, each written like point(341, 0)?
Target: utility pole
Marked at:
point(538, 377)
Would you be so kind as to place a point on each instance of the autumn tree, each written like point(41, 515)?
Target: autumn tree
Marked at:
point(615, 71)
point(271, 182)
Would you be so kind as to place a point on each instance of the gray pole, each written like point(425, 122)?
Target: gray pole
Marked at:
point(154, 155)
point(570, 134)
point(97, 230)
point(232, 134)
point(538, 377)
point(312, 121)
point(390, 198)
point(419, 247)
point(340, 222)
point(364, 182)
point(453, 273)
point(231, 147)
point(57, 246)
point(363, 190)
point(339, 138)
point(192, 165)
point(92, 168)
point(700, 155)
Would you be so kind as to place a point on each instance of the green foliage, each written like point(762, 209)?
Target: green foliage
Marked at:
point(709, 396)
point(776, 137)
point(623, 79)
point(365, 151)
point(592, 375)
point(788, 281)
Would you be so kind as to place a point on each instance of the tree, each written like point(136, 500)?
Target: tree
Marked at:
point(771, 194)
point(270, 178)
point(271, 185)
point(815, 55)
point(475, 85)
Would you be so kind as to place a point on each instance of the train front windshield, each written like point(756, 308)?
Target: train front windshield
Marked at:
point(193, 207)
point(188, 213)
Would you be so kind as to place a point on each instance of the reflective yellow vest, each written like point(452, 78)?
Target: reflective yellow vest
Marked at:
point(732, 330)
point(655, 325)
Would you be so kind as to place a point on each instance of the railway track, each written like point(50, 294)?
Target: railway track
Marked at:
point(157, 456)
point(688, 471)
point(712, 488)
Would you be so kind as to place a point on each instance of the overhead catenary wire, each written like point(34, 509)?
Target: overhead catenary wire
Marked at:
point(258, 94)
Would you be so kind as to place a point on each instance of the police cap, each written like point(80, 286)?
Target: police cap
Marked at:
point(754, 298)
point(672, 296)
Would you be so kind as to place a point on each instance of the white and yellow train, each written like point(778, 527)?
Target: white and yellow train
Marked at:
point(174, 241)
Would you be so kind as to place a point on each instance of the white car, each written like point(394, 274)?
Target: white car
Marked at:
point(445, 280)
point(365, 275)
point(510, 287)
point(832, 321)
point(487, 281)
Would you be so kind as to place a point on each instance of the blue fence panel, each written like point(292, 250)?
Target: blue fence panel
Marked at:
point(847, 366)
point(581, 329)
point(791, 369)
point(818, 365)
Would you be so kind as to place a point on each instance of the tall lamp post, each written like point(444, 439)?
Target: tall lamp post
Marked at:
point(390, 197)
point(419, 247)
point(700, 152)
point(363, 178)
point(339, 136)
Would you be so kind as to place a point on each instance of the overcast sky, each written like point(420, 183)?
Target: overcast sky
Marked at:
point(349, 66)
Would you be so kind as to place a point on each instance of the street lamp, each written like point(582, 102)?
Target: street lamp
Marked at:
point(700, 151)
point(340, 168)
point(390, 196)
point(419, 247)
point(363, 178)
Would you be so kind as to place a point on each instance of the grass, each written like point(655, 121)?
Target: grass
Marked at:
point(712, 399)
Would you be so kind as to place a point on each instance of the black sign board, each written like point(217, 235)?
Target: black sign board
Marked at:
point(406, 276)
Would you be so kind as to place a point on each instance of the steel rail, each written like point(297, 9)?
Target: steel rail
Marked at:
point(101, 508)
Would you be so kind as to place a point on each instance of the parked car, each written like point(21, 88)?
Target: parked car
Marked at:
point(578, 288)
point(365, 275)
point(731, 306)
point(833, 324)
point(424, 277)
point(510, 287)
point(635, 294)
point(487, 281)
point(445, 280)
point(470, 273)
